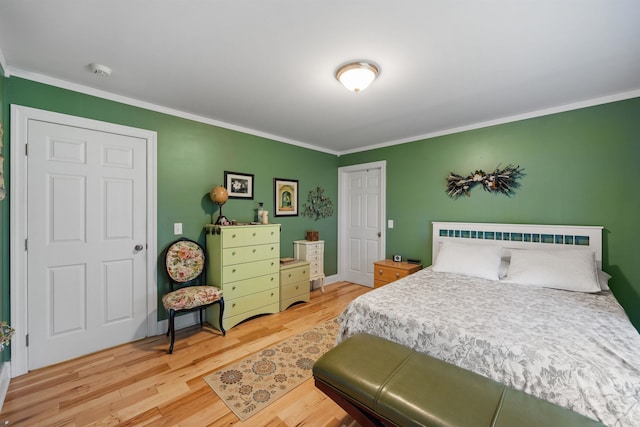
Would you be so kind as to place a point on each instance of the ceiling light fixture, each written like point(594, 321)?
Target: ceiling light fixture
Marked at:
point(356, 76)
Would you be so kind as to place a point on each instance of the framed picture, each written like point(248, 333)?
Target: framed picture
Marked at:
point(239, 185)
point(285, 192)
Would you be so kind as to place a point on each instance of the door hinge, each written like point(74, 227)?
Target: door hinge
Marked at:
point(27, 340)
point(26, 149)
point(26, 245)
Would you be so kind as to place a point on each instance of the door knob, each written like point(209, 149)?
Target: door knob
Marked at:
point(138, 247)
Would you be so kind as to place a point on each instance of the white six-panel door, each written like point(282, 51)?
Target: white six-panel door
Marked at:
point(362, 233)
point(86, 241)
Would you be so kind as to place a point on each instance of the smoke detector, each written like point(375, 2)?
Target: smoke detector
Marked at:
point(99, 69)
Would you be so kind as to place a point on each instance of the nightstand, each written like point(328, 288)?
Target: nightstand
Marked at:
point(311, 251)
point(294, 283)
point(387, 271)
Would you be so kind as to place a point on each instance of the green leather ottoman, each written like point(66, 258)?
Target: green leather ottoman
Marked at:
point(382, 383)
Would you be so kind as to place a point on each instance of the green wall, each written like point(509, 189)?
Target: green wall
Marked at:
point(581, 168)
point(192, 158)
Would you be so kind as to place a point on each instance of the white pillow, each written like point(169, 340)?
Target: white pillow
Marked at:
point(603, 279)
point(469, 259)
point(571, 270)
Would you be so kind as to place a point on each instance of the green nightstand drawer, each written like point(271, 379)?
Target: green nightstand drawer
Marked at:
point(295, 290)
point(293, 275)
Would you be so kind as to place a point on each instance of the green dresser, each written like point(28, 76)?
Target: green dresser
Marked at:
point(244, 261)
point(294, 283)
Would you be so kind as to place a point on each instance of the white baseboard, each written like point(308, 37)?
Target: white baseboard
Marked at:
point(5, 378)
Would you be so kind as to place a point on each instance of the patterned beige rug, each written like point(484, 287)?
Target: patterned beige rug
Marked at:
point(255, 382)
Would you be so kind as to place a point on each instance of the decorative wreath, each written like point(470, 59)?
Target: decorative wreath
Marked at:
point(499, 181)
point(319, 205)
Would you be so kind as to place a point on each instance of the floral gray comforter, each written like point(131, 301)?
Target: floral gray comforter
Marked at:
point(574, 349)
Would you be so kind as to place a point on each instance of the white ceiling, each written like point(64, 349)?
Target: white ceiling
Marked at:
point(267, 67)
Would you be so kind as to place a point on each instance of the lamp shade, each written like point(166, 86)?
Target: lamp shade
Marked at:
point(356, 76)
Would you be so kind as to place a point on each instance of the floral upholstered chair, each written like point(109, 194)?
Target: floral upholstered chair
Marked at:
point(185, 264)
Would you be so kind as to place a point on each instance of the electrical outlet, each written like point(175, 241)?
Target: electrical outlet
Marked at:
point(389, 223)
point(177, 228)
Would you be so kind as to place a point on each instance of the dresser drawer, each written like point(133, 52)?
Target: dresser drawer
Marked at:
point(257, 235)
point(389, 275)
point(233, 273)
point(312, 250)
point(251, 302)
point(315, 258)
point(388, 271)
point(295, 290)
point(249, 286)
point(241, 254)
point(316, 269)
point(294, 275)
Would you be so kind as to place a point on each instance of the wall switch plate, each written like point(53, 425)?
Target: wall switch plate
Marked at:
point(177, 228)
point(389, 223)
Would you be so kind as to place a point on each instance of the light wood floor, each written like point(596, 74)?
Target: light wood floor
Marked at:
point(138, 384)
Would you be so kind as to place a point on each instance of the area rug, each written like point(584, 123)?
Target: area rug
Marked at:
point(255, 382)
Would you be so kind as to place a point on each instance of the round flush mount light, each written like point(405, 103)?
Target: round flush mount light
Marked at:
point(356, 76)
point(99, 69)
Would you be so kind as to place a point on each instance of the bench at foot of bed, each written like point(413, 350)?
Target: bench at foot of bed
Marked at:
point(381, 383)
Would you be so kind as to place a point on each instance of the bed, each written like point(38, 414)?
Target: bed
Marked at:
point(525, 305)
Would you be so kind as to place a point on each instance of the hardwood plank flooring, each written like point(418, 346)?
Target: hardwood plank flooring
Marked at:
point(139, 384)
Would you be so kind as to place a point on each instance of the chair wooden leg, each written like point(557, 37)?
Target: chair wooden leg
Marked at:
point(221, 302)
point(172, 315)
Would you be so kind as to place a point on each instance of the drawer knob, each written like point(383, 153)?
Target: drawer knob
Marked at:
point(233, 236)
point(254, 234)
point(233, 289)
point(254, 251)
point(304, 271)
point(397, 274)
point(233, 271)
point(297, 287)
point(289, 274)
point(233, 253)
point(233, 305)
point(380, 272)
point(272, 279)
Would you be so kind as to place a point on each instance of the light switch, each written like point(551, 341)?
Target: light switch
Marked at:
point(389, 223)
point(177, 228)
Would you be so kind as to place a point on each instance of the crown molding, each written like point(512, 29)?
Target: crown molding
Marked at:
point(87, 90)
point(509, 119)
point(40, 78)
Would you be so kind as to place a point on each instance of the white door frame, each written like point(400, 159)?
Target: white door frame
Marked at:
point(20, 117)
point(343, 210)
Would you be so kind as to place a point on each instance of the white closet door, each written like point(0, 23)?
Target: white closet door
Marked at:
point(86, 252)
